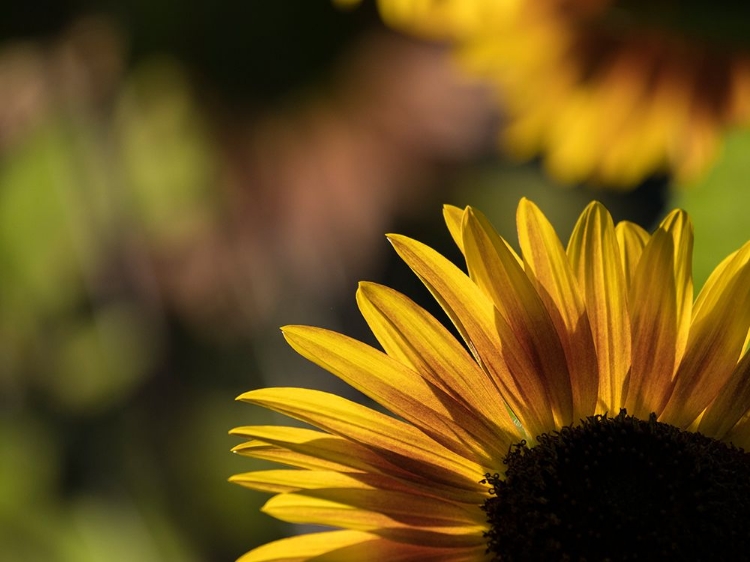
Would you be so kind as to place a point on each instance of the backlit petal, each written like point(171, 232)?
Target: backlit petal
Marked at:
point(531, 346)
point(394, 440)
point(631, 239)
point(475, 317)
point(550, 271)
point(653, 311)
point(595, 258)
point(393, 385)
point(717, 336)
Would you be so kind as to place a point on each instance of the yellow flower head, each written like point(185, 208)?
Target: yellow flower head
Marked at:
point(593, 410)
point(608, 90)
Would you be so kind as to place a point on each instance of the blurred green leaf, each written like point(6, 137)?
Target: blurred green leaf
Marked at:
point(101, 359)
point(718, 205)
point(166, 154)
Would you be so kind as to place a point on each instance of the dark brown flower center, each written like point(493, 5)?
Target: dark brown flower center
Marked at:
point(621, 489)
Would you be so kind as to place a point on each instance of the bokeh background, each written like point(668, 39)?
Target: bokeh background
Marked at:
point(178, 180)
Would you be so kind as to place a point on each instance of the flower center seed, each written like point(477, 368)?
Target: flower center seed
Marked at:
point(621, 489)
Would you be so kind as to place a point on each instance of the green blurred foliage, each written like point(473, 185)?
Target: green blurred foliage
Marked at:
point(168, 161)
point(718, 205)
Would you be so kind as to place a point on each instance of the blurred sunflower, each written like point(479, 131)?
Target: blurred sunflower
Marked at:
point(594, 412)
point(610, 91)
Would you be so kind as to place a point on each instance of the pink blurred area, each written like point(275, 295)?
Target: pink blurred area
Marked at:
point(311, 188)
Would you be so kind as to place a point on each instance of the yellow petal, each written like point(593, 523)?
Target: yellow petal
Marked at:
point(350, 546)
point(631, 239)
point(411, 335)
point(305, 547)
point(393, 385)
point(595, 258)
point(280, 481)
point(402, 551)
point(453, 217)
point(405, 551)
point(396, 441)
point(727, 268)
point(679, 225)
point(653, 311)
point(531, 346)
point(551, 273)
point(475, 317)
point(274, 453)
point(717, 336)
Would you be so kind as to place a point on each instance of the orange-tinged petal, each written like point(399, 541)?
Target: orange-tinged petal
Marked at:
point(531, 346)
point(370, 510)
point(411, 335)
point(631, 239)
point(396, 441)
point(653, 309)
point(308, 448)
point(317, 451)
point(717, 336)
point(395, 386)
point(731, 404)
point(280, 481)
point(550, 271)
point(595, 258)
point(475, 317)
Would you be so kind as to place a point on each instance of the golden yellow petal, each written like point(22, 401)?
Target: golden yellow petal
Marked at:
point(303, 548)
point(453, 218)
point(632, 239)
point(308, 448)
point(475, 317)
point(550, 271)
point(351, 546)
point(371, 510)
point(395, 386)
point(595, 258)
point(653, 312)
point(281, 455)
point(279, 481)
point(412, 336)
point(411, 550)
point(314, 450)
point(531, 346)
point(396, 441)
point(679, 225)
point(727, 269)
point(717, 337)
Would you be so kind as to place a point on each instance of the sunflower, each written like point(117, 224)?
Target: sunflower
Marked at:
point(610, 91)
point(593, 410)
